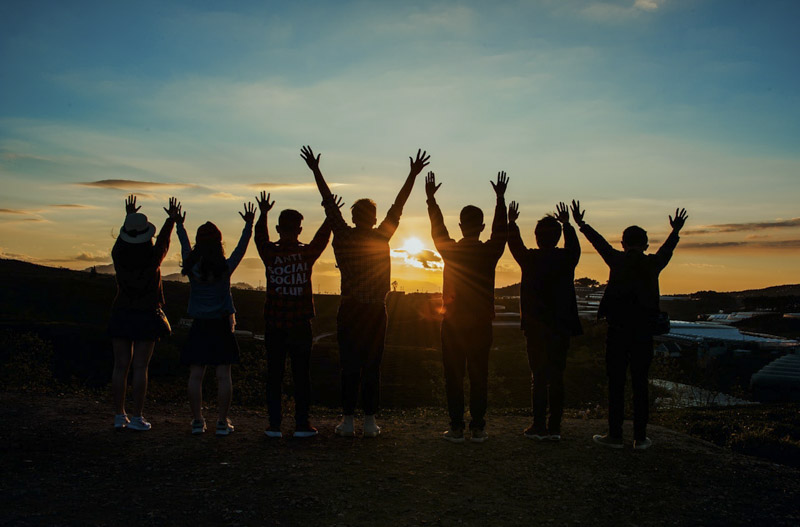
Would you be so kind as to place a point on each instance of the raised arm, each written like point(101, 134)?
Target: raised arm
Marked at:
point(441, 238)
point(415, 167)
point(571, 243)
point(262, 228)
point(323, 235)
point(500, 222)
point(332, 211)
point(515, 243)
point(664, 253)
point(238, 253)
point(162, 240)
point(595, 238)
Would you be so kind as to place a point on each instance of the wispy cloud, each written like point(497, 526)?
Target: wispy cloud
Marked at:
point(741, 227)
point(133, 185)
point(750, 244)
point(93, 257)
point(289, 187)
point(14, 211)
point(424, 259)
point(71, 206)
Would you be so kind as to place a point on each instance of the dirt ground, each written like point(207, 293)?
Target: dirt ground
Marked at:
point(64, 465)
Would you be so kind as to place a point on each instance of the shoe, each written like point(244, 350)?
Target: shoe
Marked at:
point(532, 433)
point(305, 430)
point(554, 437)
point(607, 441)
point(138, 423)
point(273, 432)
point(224, 427)
point(198, 426)
point(345, 428)
point(479, 436)
point(371, 429)
point(642, 445)
point(454, 435)
point(121, 421)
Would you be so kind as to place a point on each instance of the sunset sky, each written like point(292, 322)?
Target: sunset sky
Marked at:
point(633, 107)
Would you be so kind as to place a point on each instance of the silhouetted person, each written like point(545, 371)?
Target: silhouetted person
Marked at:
point(137, 319)
point(630, 304)
point(549, 312)
point(211, 340)
point(362, 254)
point(288, 310)
point(468, 305)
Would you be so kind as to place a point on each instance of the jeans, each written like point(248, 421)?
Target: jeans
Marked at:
point(465, 346)
point(294, 341)
point(547, 358)
point(628, 348)
point(361, 331)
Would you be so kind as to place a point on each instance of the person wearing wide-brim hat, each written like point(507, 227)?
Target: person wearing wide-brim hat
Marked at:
point(137, 319)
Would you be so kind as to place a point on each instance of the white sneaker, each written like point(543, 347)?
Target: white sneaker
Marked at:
point(371, 428)
point(121, 421)
point(479, 436)
point(345, 428)
point(273, 432)
point(224, 427)
point(198, 426)
point(642, 445)
point(138, 423)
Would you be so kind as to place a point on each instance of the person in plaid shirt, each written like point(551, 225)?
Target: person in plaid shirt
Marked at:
point(362, 254)
point(288, 310)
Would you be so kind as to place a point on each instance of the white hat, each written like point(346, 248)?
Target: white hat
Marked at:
point(137, 229)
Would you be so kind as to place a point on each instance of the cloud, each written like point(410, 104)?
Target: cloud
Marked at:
point(751, 244)
point(71, 206)
point(647, 5)
point(424, 259)
point(226, 195)
point(740, 227)
point(14, 211)
point(132, 185)
point(93, 257)
point(291, 186)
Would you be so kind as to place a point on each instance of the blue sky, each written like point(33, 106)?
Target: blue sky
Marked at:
point(634, 107)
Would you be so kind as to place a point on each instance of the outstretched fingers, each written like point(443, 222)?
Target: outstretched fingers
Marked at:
point(513, 211)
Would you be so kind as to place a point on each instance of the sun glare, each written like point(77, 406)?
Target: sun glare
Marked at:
point(413, 245)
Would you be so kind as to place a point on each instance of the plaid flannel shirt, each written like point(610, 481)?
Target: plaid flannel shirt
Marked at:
point(363, 256)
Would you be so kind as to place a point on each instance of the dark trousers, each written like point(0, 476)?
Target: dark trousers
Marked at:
point(361, 331)
point(628, 348)
point(547, 357)
point(465, 346)
point(295, 342)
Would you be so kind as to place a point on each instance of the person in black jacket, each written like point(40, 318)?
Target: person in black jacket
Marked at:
point(549, 312)
point(631, 307)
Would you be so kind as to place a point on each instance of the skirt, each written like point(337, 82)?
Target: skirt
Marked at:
point(210, 343)
point(136, 324)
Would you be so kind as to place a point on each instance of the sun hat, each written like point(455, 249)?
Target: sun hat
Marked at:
point(136, 228)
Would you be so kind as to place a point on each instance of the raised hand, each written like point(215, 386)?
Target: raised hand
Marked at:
point(337, 200)
point(679, 220)
point(130, 205)
point(513, 211)
point(249, 213)
point(308, 156)
point(577, 214)
point(422, 160)
point(500, 186)
point(263, 202)
point(174, 211)
point(562, 214)
point(430, 185)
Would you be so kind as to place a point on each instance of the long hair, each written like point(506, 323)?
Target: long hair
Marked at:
point(207, 255)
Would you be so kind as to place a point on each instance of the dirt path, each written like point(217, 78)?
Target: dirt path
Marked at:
point(65, 466)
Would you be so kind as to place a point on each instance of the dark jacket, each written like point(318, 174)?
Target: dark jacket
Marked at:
point(632, 294)
point(469, 266)
point(547, 292)
point(139, 283)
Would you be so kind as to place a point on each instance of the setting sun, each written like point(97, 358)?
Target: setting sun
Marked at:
point(413, 245)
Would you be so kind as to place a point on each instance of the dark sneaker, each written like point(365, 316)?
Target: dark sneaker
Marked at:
point(305, 431)
point(121, 421)
point(454, 435)
point(643, 444)
point(138, 423)
point(607, 441)
point(532, 433)
point(198, 426)
point(274, 432)
point(479, 436)
point(224, 427)
point(345, 428)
